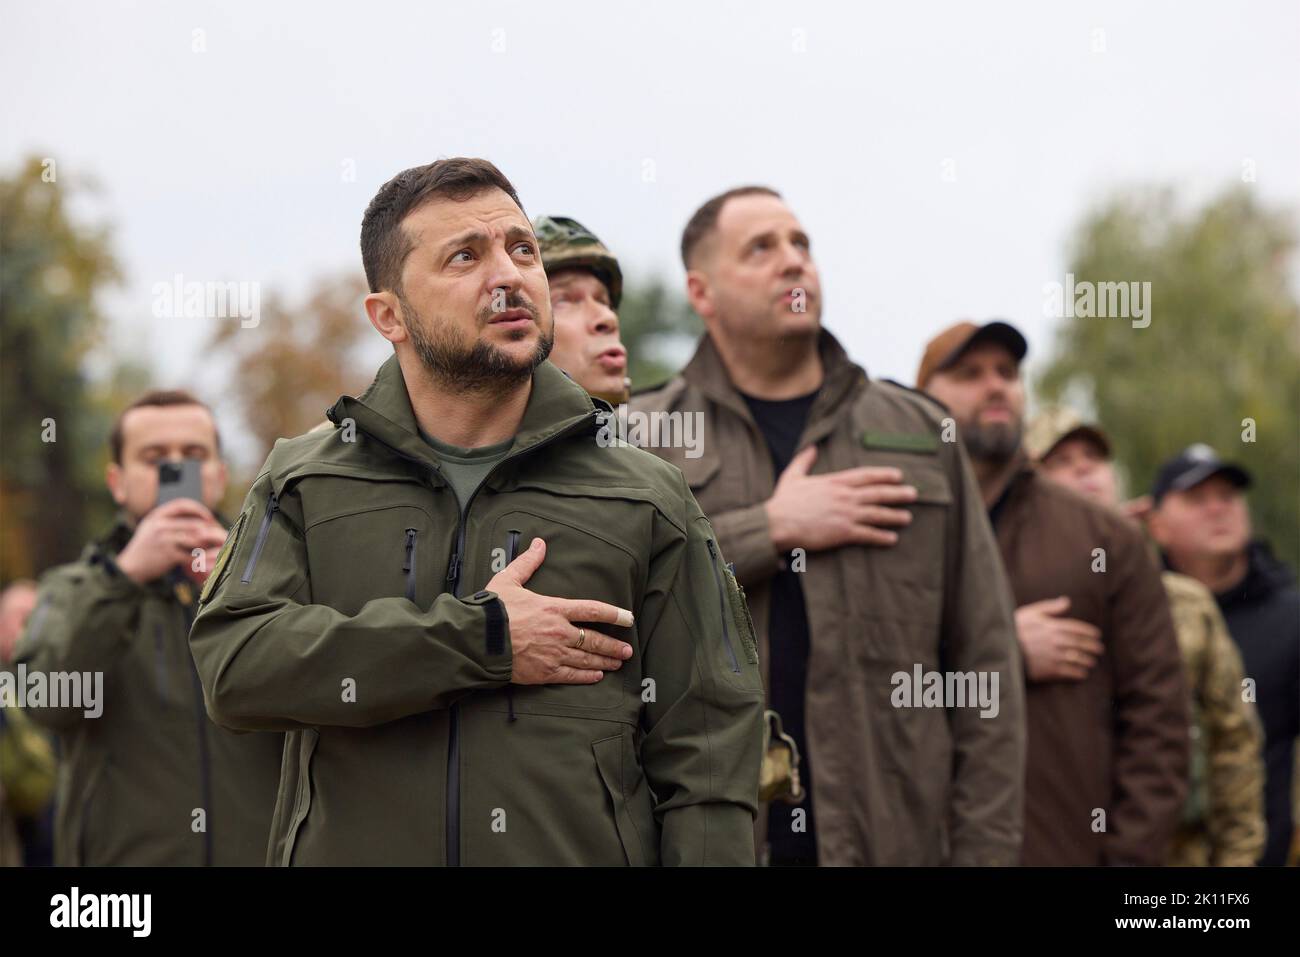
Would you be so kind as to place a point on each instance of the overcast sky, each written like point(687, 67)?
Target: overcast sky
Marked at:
point(231, 163)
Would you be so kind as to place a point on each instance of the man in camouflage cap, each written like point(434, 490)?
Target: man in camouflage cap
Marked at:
point(586, 286)
point(1223, 820)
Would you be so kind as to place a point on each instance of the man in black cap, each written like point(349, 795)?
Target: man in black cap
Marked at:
point(1199, 517)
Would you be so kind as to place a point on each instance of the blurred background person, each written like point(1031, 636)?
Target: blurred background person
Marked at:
point(17, 601)
point(586, 286)
point(27, 761)
point(150, 780)
point(1106, 773)
point(1201, 521)
point(1223, 820)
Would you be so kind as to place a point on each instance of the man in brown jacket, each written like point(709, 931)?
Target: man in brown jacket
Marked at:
point(1223, 821)
point(860, 538)
point(1106, 774)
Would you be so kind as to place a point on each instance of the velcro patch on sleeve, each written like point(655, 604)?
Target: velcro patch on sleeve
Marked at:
point(223, 559)
point(901, 441)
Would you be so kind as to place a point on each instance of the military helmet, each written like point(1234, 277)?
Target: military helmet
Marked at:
point(565, 243)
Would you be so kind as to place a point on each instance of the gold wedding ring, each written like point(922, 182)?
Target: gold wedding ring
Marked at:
point(582, 636)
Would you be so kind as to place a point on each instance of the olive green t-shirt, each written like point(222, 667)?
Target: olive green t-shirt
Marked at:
point(465, 469)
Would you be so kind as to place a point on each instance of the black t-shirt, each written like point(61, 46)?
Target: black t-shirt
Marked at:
point(782, 422)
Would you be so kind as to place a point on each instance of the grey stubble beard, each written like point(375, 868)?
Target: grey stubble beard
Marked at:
point(995, 444)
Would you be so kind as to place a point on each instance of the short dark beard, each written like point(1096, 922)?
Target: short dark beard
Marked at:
point(480, 368)
point(995, 443)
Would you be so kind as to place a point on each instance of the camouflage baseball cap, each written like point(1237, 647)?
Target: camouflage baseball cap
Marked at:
point(565, 243)
point(1057, 423)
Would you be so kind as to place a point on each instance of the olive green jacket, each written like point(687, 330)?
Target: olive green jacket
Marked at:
point(151, 780)
point(348, 609)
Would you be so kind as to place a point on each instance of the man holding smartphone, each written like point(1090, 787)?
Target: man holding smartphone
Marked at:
point(150, 780)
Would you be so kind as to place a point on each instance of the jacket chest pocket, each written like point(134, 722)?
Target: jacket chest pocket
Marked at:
point(738, 483)
point(578, 564)
point(391, 551)
point(906, 580)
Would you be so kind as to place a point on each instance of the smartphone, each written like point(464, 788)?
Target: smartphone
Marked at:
point(183, 479)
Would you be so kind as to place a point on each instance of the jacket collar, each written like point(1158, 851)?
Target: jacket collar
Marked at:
point(1265, 574)
point(840, 374)
point(113, 540)
point(555, 405)
point(997, 491)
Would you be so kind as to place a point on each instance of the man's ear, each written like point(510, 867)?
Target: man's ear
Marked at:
point(223, 477)
point(116, 482)
point(385, 315)
point(936, 386)
point(1155, 520)
point(700, 294)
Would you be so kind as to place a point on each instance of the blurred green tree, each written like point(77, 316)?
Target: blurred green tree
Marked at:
point(658, 328)
point(54, 421)
point(286, 371)
point(1222, 350)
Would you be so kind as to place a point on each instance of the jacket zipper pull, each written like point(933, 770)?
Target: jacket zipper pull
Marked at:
point(453, 569)
point(410, 547)
point(725, 608)
point(272, 506)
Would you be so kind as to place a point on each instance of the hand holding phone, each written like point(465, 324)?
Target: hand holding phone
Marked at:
point(168, 535)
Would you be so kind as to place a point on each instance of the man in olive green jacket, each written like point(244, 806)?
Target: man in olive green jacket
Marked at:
point(145, 778)
point(493, 637)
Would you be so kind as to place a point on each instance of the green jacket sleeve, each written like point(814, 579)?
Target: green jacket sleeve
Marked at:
point(986, 809)
point(703, 719)
point(270, 659)
point(82, 621)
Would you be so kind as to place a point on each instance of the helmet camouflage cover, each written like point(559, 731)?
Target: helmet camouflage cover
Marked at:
point(565, 243)
point(1056, 423)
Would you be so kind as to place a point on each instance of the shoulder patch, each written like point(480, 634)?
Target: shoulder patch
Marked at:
point(223, 561)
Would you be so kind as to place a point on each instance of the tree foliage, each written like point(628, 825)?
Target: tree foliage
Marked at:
point(54, 420)
point(1222, 350)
